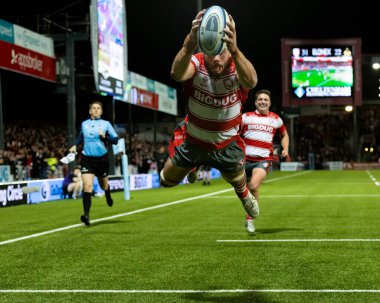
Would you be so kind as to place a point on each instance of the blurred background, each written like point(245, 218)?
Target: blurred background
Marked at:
point(41, 113)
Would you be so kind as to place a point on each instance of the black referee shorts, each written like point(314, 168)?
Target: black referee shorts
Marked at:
point(98, 166)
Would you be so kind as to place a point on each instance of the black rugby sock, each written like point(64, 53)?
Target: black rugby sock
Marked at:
point(86, 203)
point(108, 194)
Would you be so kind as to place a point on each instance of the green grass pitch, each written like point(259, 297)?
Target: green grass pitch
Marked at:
point(322, 78)
point(317, 240)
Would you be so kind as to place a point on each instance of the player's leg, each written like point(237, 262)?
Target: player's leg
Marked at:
point(65, 192)
point(249, 225)
point(171, 175)
point(103, 182)
point(101, 172)
point(183, 159)
point(70, 190)
point(258, 173)
point(193, 175)
point(78, 189)
point(208, 175)
point(231, 163)
point(204, 175)
point(258, 176)
point(88, 181)
point(238, 181)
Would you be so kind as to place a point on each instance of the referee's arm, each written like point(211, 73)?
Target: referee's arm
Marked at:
point(79, 140)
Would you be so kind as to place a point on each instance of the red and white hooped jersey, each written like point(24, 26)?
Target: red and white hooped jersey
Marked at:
point(214, 105)
point(257, 132)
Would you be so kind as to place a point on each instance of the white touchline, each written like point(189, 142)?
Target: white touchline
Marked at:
point(377, 183)
point(309, 196)
point(302, 240)
point(129, 213)
point(181, 291)
point(114, 217)
point(288, 176)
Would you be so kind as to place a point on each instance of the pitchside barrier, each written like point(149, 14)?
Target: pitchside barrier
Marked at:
point(330, 165)
point(37, 191)
point(292, 166)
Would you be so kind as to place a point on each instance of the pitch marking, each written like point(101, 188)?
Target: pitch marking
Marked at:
point(132, 212)
point(377, 183)
point(310, 197)
point(300, 240)
point(182, 291)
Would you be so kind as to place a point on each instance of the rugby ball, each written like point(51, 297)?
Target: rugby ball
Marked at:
point(211, 30)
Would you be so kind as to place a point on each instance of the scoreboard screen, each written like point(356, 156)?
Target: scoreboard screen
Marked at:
point(322, 71)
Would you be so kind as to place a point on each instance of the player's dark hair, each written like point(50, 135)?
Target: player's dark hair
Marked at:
point(262, 91)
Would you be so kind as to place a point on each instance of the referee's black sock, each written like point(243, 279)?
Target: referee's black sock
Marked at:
point(86, 203)
point(108, 196)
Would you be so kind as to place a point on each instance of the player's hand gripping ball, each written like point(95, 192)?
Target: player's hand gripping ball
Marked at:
point(211, 31)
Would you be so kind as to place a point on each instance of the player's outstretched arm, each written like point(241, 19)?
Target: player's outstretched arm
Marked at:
point(182, 69)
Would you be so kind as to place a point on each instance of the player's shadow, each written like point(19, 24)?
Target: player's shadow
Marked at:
point(250, 297)
point(273, 230)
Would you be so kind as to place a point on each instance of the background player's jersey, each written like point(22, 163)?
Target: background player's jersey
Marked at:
point(258, 132)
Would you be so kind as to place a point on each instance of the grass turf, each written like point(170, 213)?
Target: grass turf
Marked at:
point(173, 253)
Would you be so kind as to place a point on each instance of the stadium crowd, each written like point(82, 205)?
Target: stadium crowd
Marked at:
point(331, 137)
point(33, 150)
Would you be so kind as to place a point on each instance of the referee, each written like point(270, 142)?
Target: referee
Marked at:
point(95, 134)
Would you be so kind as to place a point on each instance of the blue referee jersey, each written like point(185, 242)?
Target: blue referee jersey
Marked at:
point(89, 135)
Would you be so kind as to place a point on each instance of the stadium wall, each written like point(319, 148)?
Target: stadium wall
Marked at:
point(37, 191)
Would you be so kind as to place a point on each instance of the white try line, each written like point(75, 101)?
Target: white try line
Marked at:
point(187, 291)
point(130, 213)
point(309, 196)
point(300, 240)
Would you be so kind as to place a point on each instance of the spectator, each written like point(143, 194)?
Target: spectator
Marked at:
point(160, 157)
point(72, 184)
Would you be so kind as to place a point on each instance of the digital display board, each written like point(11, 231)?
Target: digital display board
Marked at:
point(319, 72)
point(109, 46)
point(322, 71)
